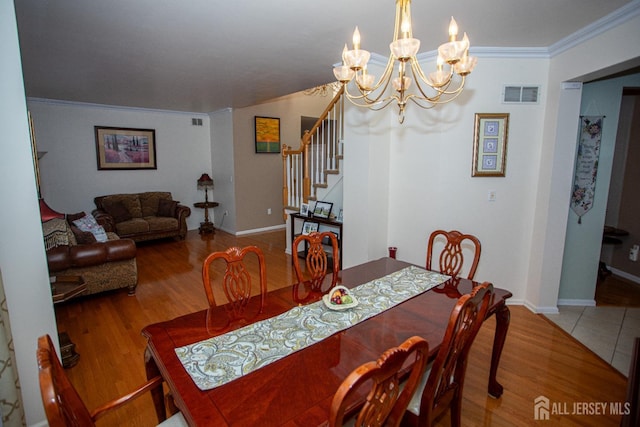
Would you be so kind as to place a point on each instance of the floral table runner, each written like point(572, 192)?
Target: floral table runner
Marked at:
point(219, 360)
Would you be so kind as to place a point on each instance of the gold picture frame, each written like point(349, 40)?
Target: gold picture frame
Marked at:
point(490, 144)
point(125, 148)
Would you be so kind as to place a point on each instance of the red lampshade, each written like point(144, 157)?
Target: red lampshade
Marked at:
point(46, 213)
point(205, 182)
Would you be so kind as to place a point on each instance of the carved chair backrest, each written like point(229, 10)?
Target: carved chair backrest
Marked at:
point(444, 385)
point(451, 258)
point(386, 402)
point(236, 282)
point(317, 259)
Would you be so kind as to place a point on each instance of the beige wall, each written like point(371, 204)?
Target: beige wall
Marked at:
point(258, 177)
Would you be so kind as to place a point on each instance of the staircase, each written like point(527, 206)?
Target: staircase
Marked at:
point(306, 169)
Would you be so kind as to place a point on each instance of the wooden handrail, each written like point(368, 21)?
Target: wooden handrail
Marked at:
point(297, 162)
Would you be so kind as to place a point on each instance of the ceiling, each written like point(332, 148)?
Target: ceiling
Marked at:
point(208, 55)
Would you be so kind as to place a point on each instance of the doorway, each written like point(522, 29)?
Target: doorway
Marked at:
point(619, 285)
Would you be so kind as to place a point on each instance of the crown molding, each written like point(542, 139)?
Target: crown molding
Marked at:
point(618, 17)
point(60, 102)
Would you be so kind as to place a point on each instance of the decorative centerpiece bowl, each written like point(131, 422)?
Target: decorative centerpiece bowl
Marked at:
point(340, 298)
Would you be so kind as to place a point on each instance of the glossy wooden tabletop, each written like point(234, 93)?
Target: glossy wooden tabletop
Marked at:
point(297, 390)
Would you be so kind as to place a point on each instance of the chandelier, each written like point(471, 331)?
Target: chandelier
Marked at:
point(443, 85)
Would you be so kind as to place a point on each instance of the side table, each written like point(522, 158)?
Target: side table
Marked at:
point(206, 226)
point(63, 288)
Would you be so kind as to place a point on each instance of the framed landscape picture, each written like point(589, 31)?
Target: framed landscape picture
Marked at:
point(125, 148)
point(267, 134)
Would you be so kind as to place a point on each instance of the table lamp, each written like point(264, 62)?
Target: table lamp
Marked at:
point(205, 182)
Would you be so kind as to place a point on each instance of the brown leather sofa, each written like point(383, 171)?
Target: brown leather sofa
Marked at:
point(142, 216)
point(104, 265)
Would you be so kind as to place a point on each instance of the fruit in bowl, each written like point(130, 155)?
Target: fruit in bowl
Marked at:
point(340, 296)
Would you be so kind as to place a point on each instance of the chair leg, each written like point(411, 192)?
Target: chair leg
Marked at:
point(456, 410)
point(157, 394)
point(171, 404)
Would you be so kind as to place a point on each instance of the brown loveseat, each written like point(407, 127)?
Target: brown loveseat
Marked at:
point(142, 216)
point(104, 266)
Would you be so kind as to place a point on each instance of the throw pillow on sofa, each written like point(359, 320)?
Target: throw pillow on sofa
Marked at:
point(118, 211)
point(88, 223)
point(167, 207)
point(82, 237)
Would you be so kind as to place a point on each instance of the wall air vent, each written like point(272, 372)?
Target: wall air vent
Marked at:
point(520, 94)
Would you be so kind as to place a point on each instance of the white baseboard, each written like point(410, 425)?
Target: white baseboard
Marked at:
point(541, 310)
point(624, 275)
point(578, 302)
point(261, 230)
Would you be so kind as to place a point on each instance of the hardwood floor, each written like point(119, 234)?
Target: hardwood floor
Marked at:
point(616, 291)
point(539, 358)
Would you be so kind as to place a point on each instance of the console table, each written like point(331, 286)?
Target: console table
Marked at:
point(330, 224)
point(206, 226)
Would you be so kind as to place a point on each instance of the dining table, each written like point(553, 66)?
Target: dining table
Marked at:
point(296, 388)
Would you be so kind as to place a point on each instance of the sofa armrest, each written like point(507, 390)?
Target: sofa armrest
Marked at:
point(182, 212)
point(121, 249)
point(63, 257)
point(104, 219)
point(58, 259)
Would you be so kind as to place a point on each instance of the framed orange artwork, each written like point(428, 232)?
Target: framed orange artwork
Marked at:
point(267, 134)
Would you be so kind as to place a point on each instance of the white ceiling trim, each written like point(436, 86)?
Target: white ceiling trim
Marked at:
point(602, 25)
point(111, 107)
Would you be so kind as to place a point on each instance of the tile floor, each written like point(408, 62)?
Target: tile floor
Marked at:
point(607, 331)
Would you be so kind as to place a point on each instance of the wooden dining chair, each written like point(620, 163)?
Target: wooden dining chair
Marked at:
point(236, 281)
point(385, 403)
point(451, 258)
point(317, 260)
point(63, 405)
point(441, 386)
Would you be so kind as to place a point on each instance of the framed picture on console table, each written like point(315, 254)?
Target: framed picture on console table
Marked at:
point(490, 144)
point(309, 227)
point(125, 148)
point(322, 209)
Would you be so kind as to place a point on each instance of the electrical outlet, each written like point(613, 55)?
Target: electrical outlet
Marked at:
point(226, 213)
point(269, 211)
point(491, 195)
point(633, 253)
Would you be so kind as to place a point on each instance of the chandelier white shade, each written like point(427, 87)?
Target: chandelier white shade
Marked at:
point(402, 69)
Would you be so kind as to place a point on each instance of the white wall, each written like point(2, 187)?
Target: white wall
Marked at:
point(70, 178)
point(223, 169)
point(22, 259)
point(365, 185)
point(426, 165)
